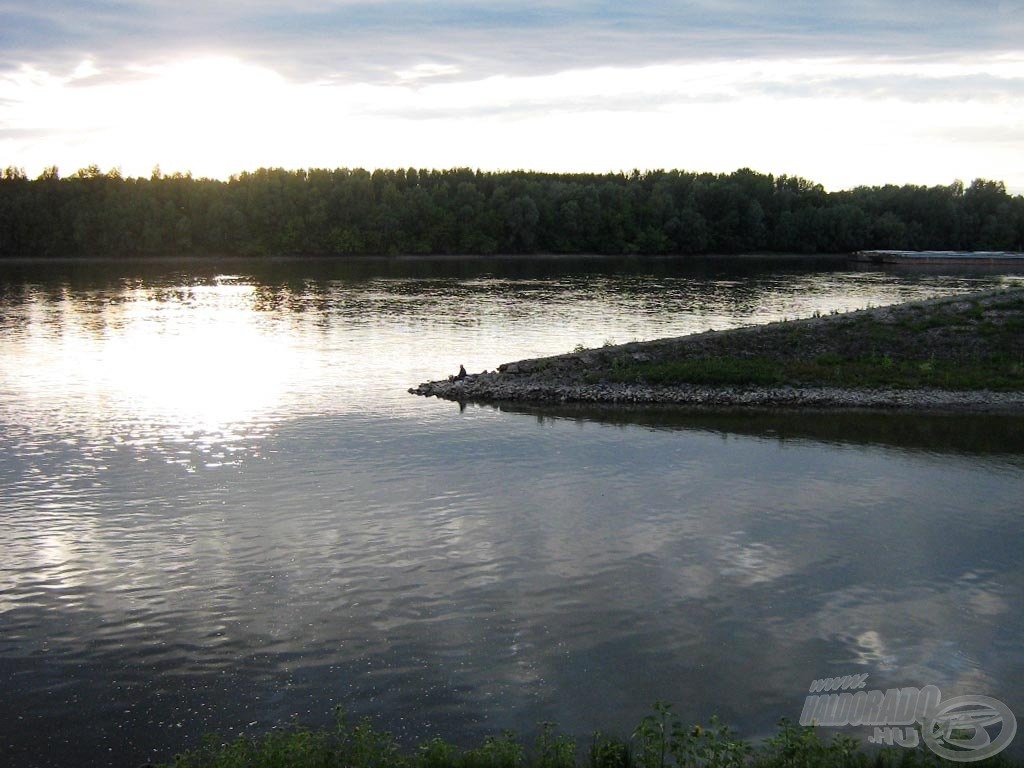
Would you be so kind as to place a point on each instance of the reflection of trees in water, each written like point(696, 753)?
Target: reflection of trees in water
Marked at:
point(968, 434)
point(660, 296)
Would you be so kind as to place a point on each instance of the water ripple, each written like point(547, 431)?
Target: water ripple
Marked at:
point(220, 508)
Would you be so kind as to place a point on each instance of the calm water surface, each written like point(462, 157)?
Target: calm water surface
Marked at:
point(221, 510)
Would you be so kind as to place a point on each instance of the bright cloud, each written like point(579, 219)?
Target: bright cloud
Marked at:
point(844, 93)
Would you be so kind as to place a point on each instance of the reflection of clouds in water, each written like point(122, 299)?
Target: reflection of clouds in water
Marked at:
point(505, 569)
point(695, 581)
point(752, 562)
point(702, 562)
point(938, 634)
point(978, 597)
point(870, 649)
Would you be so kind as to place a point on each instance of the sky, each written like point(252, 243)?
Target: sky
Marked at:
point(842, 92)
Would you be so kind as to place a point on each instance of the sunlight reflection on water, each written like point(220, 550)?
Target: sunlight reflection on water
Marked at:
point(191, 357)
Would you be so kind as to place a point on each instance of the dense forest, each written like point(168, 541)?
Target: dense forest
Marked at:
point(462, 211)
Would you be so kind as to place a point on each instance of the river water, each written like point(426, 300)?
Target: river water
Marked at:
point(222, 510)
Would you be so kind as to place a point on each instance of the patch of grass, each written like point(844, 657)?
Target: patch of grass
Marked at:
point(708, 371)
point(1014, 303)
point(927, 323)
point(661, 740)
point(998, 373)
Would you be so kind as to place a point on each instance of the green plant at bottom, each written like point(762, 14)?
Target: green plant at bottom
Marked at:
point(661, 740)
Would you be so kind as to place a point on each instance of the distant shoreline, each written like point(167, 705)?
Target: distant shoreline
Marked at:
point(350, 211)
point(206, 258)
point(957, 354)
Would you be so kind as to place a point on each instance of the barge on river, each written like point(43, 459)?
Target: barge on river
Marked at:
point(939, 257)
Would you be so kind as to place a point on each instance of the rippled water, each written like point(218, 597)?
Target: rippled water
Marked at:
point(221, 509)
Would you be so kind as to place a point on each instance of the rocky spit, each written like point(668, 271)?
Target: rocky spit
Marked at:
point(490, 388)
point(579, 377)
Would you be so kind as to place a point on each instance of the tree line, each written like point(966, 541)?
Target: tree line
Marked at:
point(274, 211)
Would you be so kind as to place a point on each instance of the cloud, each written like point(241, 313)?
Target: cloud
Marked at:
point(892, 118)
point(371, 41)
point(659, 88)
point(547, 85)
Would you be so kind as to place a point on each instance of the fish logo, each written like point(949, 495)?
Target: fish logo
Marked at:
point(959, 728)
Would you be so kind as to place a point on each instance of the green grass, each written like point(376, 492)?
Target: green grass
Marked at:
point(1000, 373)
point(661, 740)
point(920, 319)
point(962, 345)
point(711, 371)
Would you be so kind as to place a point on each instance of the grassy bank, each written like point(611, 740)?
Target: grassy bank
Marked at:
point(970, 343)
point(661, 740)
point(952, 353)
point(998, 373)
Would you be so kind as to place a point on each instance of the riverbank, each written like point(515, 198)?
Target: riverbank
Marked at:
point(962, 353)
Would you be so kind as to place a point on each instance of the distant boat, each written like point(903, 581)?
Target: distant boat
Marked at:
point(939, 257)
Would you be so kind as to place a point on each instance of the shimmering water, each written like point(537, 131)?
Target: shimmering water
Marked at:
point(222, 510)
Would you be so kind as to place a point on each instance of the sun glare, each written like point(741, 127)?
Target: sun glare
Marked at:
point(161, 367)
point(838, 121)
point(204, 114)
point(205, 373)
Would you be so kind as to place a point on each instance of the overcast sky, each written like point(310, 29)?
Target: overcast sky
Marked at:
point(843, 92)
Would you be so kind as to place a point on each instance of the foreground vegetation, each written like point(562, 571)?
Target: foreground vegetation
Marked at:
point(660, 741)
point(461, 211)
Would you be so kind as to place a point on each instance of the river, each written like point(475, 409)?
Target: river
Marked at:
point(222, 510)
